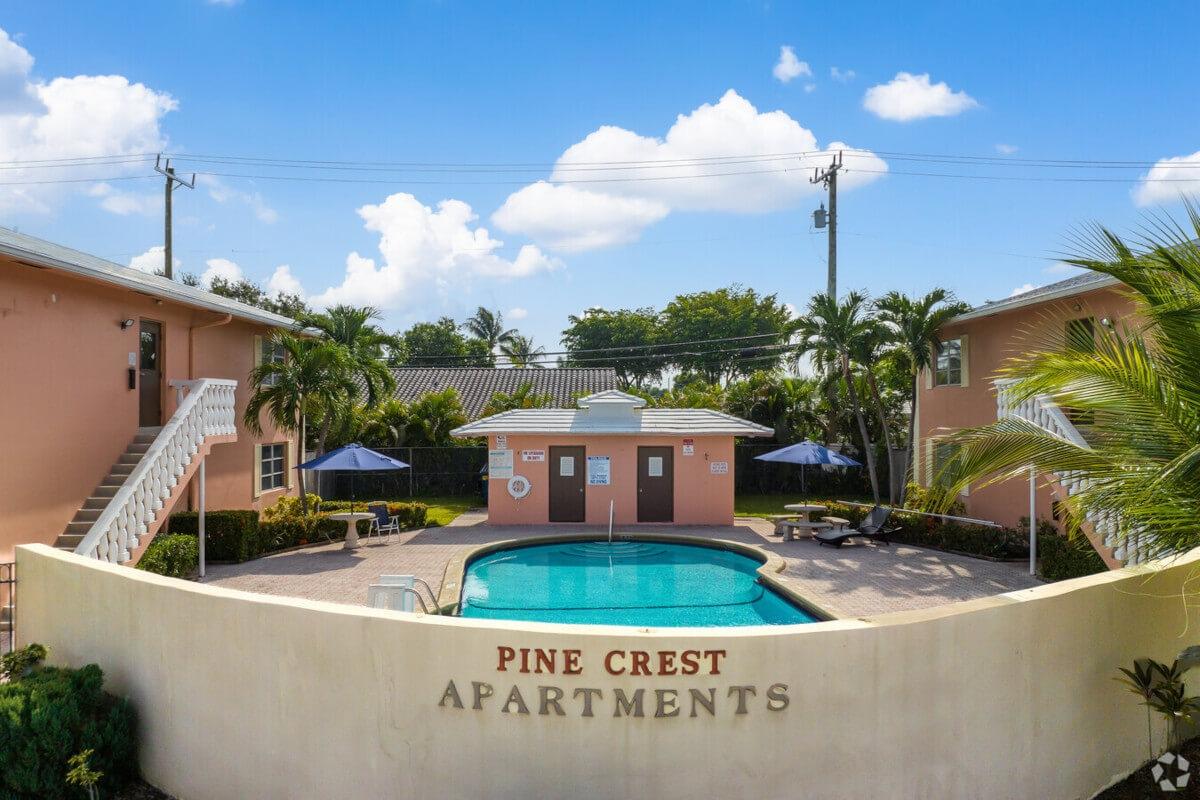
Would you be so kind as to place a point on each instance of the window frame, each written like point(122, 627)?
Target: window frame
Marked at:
point(938, 370)
point(278, 476)
point(270, 352)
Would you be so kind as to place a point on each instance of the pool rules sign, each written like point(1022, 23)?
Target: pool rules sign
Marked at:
point(563, 682)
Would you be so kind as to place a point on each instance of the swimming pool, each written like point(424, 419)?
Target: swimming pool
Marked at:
point(640, 582)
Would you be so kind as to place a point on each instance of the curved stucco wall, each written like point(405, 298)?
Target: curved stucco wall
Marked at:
point(244, 695)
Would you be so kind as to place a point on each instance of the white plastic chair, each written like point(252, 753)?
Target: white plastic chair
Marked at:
point(397, 596)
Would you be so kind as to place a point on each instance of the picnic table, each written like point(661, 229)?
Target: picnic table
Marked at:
point(803, 509)
point(791, 526)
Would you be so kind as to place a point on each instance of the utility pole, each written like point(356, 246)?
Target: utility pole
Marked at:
point(163, 167)
point(828, 179)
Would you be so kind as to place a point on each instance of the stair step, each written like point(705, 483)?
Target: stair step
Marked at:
point(68, 541)
point(138, 447)
point(78, 527)
point(120, 469)
point(99, 501)
point(87, 514)
point(130, 458)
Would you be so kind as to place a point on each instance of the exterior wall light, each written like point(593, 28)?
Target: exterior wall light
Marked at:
point(126, 324)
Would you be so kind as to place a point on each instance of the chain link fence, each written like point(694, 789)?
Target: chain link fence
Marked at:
point(458, 471)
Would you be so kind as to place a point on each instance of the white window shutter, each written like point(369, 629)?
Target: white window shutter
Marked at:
point(258, 351)
point(257, 471)
point(965, 363)
point(290, 447)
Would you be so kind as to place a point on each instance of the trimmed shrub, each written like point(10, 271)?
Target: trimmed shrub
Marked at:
point(50, 715)
point(174, 555)
point(411, 514)
point(1060, 557)
point(288, 506)
point(232, 535)
point(284, 532)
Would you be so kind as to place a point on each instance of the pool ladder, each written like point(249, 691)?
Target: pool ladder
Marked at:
point(611, 504)
point(420, 599)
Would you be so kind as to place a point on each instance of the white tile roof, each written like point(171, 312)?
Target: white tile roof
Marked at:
point(641, 422)
point(39, 252)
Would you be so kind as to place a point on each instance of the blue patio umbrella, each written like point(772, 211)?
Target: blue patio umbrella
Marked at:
point(808, 452)
point(353, 458)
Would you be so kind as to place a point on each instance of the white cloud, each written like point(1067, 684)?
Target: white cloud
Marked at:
point(571, 219)
point(620, 202)
point(152, 260)
point(1168, 180)
point(809, 88)
point(908, 97)
point(282, 281)
point(1062, 268)
point(517, 313)
point(1006, 149)
point(420, 245)
point(841, 75)
point(221, 192)
point(125, 203)
point(76, 117)
point(1022, 289)
point(788, 68)
point(220, 268)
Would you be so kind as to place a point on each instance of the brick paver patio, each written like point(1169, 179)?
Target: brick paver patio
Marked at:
point(857, 580)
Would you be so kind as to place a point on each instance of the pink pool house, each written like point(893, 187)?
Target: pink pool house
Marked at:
point(654, 465)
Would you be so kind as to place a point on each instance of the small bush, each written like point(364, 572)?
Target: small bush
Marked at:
point(174, 555)
point(232, 535)
point(52, 714)
point(1060, 558)
point(411, 515)
point(288, 506)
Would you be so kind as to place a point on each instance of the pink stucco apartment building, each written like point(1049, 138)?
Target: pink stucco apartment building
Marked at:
point(961, 391)
point(96, 360)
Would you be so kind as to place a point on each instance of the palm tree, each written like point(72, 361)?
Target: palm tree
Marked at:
point(870, 348)
point(432, 416)
point(312, 376)
point(1140, 386)
point(387, 425)
point(833, 332)
point(914, 323)
point(365, 344)
point(523, 397)
point(521, 352)
point(488, 327)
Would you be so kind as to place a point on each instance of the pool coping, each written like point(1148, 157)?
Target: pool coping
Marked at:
point(770, 571)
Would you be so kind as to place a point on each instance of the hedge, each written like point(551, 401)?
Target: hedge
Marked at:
point(1060, 558)
point(51, 714)
point(174, 555)
point(411, 514)
point(231, 535)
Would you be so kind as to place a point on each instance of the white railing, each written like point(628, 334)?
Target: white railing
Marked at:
point(1042, 411)
point(207, 409)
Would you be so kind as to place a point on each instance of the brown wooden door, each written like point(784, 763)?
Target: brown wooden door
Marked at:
point(656, 484)
point(567, 481)
point(150, 371)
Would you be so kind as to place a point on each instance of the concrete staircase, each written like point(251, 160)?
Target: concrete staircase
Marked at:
point(100, 497)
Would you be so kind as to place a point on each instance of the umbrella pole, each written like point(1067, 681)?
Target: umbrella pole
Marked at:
point(803, 485)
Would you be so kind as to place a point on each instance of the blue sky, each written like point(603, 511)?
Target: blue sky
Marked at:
point(483, 83)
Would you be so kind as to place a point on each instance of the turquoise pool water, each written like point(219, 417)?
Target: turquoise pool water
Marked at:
point(624, 583)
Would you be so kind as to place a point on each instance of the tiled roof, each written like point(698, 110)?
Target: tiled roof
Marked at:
point(1077, 284)
point(41, 253)
point(476, 385)
point(645, 422)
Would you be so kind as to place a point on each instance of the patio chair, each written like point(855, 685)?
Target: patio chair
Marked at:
point(873, 526)
point(383, 524)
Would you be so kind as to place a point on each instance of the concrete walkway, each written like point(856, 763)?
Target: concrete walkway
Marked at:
point(856, 580)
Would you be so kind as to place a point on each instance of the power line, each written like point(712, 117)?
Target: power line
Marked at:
point(781, 347)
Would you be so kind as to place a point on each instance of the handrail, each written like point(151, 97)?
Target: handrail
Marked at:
point(1040, 409)
point(206, 410)
point(416, 594)
point(432, 596)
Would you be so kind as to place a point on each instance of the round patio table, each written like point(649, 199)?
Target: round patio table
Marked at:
point(351, 519)
point(803, 509)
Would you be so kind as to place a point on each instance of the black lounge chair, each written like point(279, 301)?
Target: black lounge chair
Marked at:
point(873, 526)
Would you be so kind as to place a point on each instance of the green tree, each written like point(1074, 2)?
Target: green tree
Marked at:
point(522, 353)
point(488, 327)
point(1138, 381)
point(789, 405)
point(732, 314)
point(833, 332)
point(523, 397)
point(438, 344)
point(366, 345)
point(386, 425)
point(312, 377)
point(915, 323)
point(623, 339)
point(432, 416)
point(250, 293)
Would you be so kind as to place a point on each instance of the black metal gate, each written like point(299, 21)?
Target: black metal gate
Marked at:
point(8, 606)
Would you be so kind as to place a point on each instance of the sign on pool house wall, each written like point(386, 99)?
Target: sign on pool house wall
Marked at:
point(708, 697)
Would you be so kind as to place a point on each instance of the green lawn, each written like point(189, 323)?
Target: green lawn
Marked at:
point(443, 510)
point(764, 505)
